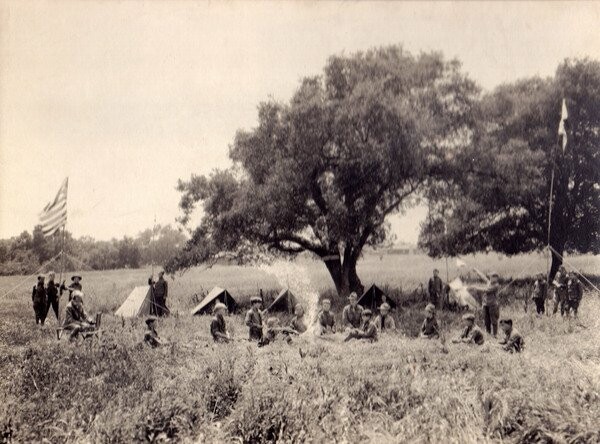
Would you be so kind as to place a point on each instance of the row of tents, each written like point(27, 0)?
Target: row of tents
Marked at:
point(139, 301)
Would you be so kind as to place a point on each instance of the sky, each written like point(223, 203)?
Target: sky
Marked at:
point(126, 97)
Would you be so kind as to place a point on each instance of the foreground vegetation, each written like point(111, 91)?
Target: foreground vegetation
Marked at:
point(400, 389)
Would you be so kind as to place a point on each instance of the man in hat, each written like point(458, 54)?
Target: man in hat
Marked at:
point(385, 322)
point(368, 330)
point(436, 288)
point(325, 319)
point(254, 319)
point(297, 324)
point(76, 318)
point(430, 329)
point(151, 336)
point(471, 333)
point(75, 285)
point(513, 342)
point(160, 290)
point(574, 293)
point(52, 292)
point(540, 291)
point(40, 301)
point(218, 329)
point(560, 291)
point(351, 315)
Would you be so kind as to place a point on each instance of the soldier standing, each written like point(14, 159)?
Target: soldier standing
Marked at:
point(40, 301)
point(254, 319)
point(352, 313)
point(560, 291)
point(160, 290)
point(574, 293)
point(540, 291)
point(436, 288)
point(52, 292)
point(75, 286)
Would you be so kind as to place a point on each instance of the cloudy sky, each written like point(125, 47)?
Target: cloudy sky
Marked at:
point(126, 97)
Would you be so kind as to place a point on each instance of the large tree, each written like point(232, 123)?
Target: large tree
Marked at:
point(324, 171)
point(499, 198)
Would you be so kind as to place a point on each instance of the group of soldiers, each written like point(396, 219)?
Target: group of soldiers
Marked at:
point(568, 292)
point(44, 296)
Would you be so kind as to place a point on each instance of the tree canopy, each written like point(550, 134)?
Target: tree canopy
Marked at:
point(323, 172)
point(498, 198)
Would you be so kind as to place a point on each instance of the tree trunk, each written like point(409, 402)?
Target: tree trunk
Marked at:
point(344, 276)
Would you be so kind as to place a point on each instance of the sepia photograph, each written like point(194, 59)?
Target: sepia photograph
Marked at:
point(299, 222)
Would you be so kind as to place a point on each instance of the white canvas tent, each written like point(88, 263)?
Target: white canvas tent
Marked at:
point(216, 294)
point(138, 303)
point(459, 293)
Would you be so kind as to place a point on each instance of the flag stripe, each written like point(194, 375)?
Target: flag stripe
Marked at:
point(54, 214)
point(50, 214)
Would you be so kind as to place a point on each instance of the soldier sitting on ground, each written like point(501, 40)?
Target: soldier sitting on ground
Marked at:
point(254, 319)
point(430, 328)
point(385, 322)
point(325, 319)
point(471, 333)
point(297, 325)
point(218, 329)
point(513, 342)
point(368, 330)
point(151, 336)
point(574, 293)
point(76, 320)
point(351, 315)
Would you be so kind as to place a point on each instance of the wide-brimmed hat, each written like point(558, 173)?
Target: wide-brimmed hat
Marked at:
point(77, 295)
point(367, 312)
point(507, 322)
point(384, 306)
point(76, 276)
point(430, 308)
point(468, 317)
point(151, 319)
point(254, 299)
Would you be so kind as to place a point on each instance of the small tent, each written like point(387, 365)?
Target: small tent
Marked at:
point(374, 297)
point(138, 303)
point(216, 294)
point(285, 301)
point(460, 295)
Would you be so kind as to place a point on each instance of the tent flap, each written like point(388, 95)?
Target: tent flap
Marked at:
point(138, 303)
point(374, 297)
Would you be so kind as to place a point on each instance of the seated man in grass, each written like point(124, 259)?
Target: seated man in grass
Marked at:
point(218, 328)
point(325, 319)
point(368, 330)
point(513, 342)
point(297, 324)
point(471, 333)
point(430, 328)
point(76, 319)
point(351, 315)
point(151, 336)
point(385, 322)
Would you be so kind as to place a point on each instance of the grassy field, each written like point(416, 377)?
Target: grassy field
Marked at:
point(400, 389)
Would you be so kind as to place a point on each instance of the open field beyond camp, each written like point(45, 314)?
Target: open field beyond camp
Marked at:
point(400, 389)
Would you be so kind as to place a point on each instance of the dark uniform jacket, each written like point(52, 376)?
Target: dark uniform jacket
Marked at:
point(161, 289)
point(52, 291)
point(474, 334)
point(217, 325)
point(151, 338)
point(436, 287)
point(490, 295)
point(513, 342)
point(254, 322)
point(574, 290)
point(39, 295)
point(430, 327)
point(352, 316)
point(326, 319)
point(540, 290)
point(560, 285)
point(369, 331)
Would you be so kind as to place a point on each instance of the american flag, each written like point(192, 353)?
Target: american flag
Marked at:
point(54, 215)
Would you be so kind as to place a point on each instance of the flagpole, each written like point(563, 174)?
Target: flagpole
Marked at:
point(549, 257)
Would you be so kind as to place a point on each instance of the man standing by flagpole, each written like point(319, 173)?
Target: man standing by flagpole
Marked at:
point(52, 218)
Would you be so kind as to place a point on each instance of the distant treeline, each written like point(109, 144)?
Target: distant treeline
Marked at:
point(25, 253)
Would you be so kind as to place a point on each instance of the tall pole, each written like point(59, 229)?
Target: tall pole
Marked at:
point(62, 255)
point(549, 257)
